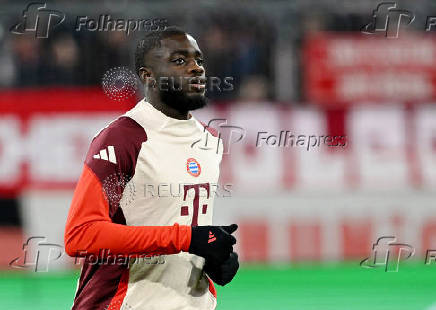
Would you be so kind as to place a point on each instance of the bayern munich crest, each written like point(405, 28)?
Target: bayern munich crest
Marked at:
point(193, 167)
point(119, 83)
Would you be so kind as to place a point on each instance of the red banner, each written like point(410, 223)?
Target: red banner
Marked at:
point(45, 134)
point(39, 125)
point(353, 67)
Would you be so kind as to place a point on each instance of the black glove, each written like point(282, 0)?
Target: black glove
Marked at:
point(214, 243)
point(224, 273)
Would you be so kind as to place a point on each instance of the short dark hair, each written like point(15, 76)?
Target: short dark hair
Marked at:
point(152, 40)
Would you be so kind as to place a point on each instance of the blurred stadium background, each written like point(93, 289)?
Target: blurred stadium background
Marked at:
point(307, 217)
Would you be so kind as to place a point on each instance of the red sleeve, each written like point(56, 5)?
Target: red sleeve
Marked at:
point(90, 229)
point(95, 221)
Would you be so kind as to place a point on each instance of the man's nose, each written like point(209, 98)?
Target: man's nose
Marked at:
point(196, 69)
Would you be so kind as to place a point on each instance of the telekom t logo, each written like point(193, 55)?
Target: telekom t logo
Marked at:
point(388, 253)
point(37, 18)
point(387, 18)
point(196, 203)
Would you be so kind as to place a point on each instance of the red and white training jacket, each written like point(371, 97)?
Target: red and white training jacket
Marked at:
point(146, 179)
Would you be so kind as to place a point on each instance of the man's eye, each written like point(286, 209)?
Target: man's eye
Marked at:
point(179, 61)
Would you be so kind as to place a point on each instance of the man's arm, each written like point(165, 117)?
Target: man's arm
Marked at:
point(89, 227)
point(96, 221)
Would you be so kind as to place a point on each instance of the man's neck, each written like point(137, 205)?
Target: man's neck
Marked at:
point(167, 110)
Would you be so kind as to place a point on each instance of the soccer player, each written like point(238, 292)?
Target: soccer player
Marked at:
point(114, 217)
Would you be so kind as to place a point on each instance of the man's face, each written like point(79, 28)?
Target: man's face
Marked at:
point(177, 67)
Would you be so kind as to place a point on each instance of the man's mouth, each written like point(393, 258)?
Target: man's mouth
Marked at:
point(197, 84)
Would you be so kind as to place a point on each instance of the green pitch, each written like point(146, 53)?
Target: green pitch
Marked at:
point(333, 286)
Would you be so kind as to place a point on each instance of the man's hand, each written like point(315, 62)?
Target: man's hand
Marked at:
point(214, 243)
point(224, 273)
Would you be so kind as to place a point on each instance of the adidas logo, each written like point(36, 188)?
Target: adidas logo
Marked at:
point(104, 154)
point(212, 237)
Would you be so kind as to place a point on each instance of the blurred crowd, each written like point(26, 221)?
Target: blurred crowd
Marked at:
point(240, 43)
point(236, 46)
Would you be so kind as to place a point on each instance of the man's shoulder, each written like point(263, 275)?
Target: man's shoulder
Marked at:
point(123, 129)
point(118, 143)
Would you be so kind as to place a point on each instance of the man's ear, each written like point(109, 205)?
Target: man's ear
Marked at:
point(144, 74)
